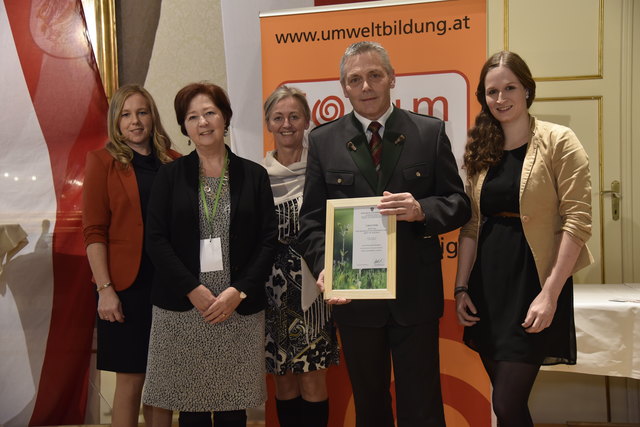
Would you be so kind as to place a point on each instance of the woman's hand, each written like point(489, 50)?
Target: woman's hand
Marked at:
point(543, 307)
point(224, 305)
point(466, 310)
point(109, 306)
point(330, 301)
point(201, 298)
point(540, 313)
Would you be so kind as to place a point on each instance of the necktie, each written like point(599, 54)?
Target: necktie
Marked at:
point(375, 144)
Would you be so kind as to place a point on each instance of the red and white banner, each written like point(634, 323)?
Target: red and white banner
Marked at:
point(52, 111)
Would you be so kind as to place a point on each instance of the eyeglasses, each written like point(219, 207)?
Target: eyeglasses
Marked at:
point(195, 118)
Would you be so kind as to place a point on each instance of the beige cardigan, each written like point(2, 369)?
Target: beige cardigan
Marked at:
point(555, 195)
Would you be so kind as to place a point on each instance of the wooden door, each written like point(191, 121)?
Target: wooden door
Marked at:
point(579, 52)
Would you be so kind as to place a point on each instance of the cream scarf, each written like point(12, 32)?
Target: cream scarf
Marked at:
point(287, 183)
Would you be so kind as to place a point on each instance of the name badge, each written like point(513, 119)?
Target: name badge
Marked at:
point(210, 255)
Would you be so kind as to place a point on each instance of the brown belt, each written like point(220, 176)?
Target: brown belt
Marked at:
point(507, 214)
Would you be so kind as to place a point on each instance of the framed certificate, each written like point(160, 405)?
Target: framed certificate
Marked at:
point(360, 250)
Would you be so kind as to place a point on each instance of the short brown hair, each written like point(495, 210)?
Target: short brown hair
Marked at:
point(217, 95)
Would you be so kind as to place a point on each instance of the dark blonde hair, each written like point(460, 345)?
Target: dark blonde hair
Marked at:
point(286, 92)
point(486, 138)
point(217, 95)
point(117, 145)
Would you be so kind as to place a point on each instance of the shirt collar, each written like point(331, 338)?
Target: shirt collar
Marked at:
point(382, 119)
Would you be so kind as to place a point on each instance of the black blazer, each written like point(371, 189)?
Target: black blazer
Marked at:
point(173, 232)
point(416, 158)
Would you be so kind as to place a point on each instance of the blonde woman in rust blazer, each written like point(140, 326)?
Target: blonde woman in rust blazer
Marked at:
point(117, 185)
point(530, 189)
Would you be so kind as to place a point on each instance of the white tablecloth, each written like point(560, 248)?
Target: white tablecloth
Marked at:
point(607, 330)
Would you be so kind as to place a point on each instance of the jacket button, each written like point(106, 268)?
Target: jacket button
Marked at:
point(525, 218)
point(339, 180)
point(418, 173)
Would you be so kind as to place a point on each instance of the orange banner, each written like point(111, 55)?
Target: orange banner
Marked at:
point(436, 49)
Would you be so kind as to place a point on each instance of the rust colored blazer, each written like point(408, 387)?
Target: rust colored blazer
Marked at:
point(112, 215)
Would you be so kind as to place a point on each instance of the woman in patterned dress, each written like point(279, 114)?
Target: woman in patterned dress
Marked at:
point(211, 235)
point(301, 341)
point(118, 180)
point(530, 188)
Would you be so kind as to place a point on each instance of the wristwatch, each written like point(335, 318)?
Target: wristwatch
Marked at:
point(242, 294)
point(103, 287)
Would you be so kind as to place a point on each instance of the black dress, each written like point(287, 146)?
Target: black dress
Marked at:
point(123, 347)
point(504, 280)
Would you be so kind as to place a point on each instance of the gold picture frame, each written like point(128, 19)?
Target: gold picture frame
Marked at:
point(358, 219)
point(101, 24)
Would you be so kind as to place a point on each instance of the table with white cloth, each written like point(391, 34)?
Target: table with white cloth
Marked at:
point(607, 330)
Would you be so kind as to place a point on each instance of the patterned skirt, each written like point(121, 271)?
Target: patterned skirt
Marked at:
point(297, 341)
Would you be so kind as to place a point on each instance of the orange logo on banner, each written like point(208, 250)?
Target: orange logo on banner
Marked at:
point(327, 109)
point(437, 49)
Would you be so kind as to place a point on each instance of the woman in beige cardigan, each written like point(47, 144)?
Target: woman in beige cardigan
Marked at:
point(530, 188)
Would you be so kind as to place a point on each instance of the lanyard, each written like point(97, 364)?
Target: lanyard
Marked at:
point(215, 201)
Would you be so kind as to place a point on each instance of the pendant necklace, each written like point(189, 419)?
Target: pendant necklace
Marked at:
point(205, 186)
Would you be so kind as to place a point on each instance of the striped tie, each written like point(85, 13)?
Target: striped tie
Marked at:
point(375, 144)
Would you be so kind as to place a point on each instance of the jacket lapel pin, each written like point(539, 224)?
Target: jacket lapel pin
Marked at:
point(399, 140)
point(351, 146)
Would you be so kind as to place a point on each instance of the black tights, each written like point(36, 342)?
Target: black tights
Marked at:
point(220, 418)
point(512, 383)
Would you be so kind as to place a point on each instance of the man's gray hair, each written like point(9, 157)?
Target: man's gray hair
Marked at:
point(359, 48)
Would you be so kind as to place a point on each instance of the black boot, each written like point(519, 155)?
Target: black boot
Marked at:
point(230, 418)
point(315, 414)
point(194, 419)
point(289, 412)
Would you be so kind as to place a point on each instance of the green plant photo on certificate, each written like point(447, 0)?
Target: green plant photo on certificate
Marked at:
point(344, 275)
point(361, 242)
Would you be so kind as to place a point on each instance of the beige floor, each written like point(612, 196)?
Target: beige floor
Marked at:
point(175, 424)
point(107, 384)
point(569, 424)
point(107, 387)
point(261, 424)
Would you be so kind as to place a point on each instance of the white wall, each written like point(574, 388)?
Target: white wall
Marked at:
point(188, 48)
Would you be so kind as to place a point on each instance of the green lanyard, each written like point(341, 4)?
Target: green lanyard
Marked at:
point(215, 201)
